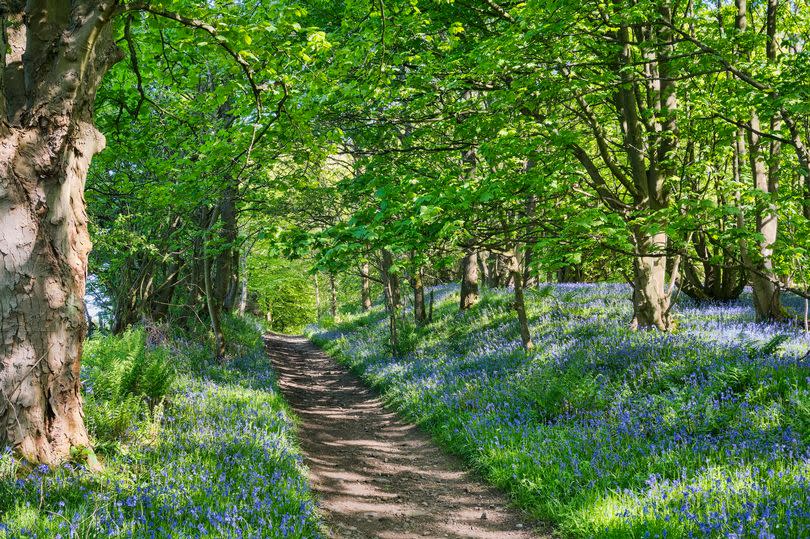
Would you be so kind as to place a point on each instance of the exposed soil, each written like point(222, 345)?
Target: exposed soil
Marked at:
point(375, 475)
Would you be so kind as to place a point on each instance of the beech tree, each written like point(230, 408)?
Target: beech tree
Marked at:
point(54, 57)
point(656, 142)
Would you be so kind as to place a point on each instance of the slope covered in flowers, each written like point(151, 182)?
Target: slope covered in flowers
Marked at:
point(603, 431)
point(217, 461)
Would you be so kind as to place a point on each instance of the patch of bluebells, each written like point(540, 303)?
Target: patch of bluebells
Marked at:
point(607, 432)
point(222, 465)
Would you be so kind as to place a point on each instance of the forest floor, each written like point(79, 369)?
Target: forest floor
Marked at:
point(373, 474)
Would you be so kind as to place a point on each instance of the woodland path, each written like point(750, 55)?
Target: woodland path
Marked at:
point(373, 474)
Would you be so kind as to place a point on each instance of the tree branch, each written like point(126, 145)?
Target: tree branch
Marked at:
point(210, 30)
point(502, 13)
point(133, 58)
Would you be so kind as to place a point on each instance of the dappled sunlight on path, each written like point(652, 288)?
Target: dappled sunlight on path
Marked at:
point(374, 475)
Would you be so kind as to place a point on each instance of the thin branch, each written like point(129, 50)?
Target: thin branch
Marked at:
point(502, 13)
point(210, 30)
point(133, 58)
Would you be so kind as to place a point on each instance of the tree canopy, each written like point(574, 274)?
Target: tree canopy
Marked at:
point(390, 145)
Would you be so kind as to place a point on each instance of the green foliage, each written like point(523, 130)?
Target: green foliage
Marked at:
point(222, 431)
point(9, 466)
point(571, 391)
point(408, 336)
point(773, 345)
point(242, 335)
point(124, 380)
point(119, 366)
point(283, 289)
point(604, 431)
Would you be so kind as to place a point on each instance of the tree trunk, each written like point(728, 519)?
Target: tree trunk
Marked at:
point(162, 297)
point(529, 276)
point(500, 273)
point(227, 266)
point(767, 301)
point(392, 327)
point(365, 287)
point(419, 312)
point(722, 281)
point(569, 274)
point(127, 298)
point(243, 283)
point(469, 280)
point(520, 302)
point(392, 297)
point(47, 140)
point(392, 307)
point(651, 171)
point(317, 299)
point(332, 296)
point(195, 302)
point(211, 301)
point(651, 299)
point(91, 325)
point(390, 278)
point(483, 267)
point(213, 314)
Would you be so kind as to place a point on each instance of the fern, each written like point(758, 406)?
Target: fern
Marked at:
point(124, 380)
point(773, 345)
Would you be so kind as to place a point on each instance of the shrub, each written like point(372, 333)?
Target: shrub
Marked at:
point(242, 335)
point(568, 392)
point(407, 338)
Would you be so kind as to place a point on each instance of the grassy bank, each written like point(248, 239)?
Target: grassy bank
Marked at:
point(190, 449)
point(603, 431)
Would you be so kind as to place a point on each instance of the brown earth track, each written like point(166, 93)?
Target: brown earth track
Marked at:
point(373, 474)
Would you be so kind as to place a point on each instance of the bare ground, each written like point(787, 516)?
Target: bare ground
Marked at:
point(375, 475)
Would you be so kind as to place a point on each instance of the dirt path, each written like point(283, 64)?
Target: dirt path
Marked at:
point(374, 475)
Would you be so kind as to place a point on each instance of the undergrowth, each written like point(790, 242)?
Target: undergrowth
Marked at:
point(603, 431)
point(190, 448)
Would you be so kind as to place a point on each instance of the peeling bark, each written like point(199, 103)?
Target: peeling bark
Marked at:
point(56, 55)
